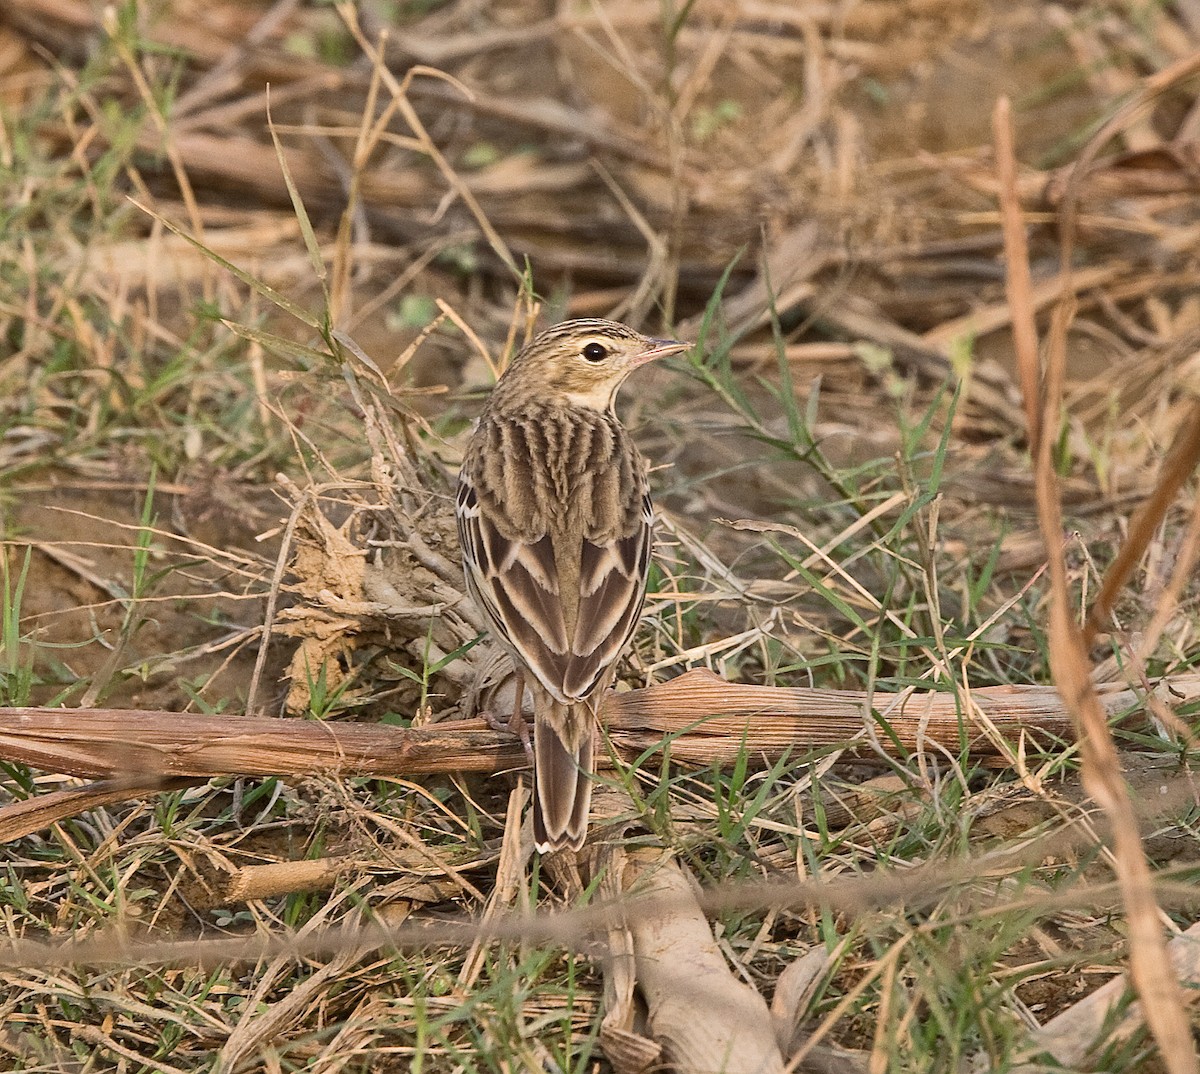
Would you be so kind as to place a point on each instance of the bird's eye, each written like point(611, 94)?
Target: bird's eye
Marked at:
point(595, 352)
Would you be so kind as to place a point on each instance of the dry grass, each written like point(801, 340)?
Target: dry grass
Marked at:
point(240, 356)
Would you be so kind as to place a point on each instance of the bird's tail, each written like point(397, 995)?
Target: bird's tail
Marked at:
point(562, 766)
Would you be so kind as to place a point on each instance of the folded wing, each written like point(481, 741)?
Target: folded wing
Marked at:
point(517, 584)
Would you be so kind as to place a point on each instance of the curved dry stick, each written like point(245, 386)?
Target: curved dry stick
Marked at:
point(1157, 987)
point(707, 719)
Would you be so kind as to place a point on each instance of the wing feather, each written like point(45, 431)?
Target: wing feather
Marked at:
point(516, 581)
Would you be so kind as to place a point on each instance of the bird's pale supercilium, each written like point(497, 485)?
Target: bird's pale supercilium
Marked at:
point(554, 519)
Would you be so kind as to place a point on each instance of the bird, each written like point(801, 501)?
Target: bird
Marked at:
point(555, 525)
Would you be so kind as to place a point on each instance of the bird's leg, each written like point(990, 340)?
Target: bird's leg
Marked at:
point(516, 723)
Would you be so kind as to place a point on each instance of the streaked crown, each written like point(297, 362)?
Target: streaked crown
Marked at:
point(579, 363)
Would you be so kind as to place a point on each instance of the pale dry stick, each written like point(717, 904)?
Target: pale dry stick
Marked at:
point(411, 271)
point(281, 563)
point(1149, 968)
point(401, 141)
point(1189, 551)
point(1018, 283)
point(634, 306)
point(729, 646)
point(723, 649)
point(1177, 467)
point(404, 357)
point(1042, 295)
point(846, 1002)
point(257, 882)
point(755, 354)
point(569, 928)
point(509, 872)
point(165, 599)
point(369, 133)
point(1071, 1035)
point(470, 333)
point(704, 1017)
point(169, 146)
point(399, 92)
point(167, 488)
point(225, 76)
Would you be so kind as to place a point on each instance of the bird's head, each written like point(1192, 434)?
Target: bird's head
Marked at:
point(583, 362)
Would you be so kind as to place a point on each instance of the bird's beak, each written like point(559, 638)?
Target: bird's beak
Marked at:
point(659, 348)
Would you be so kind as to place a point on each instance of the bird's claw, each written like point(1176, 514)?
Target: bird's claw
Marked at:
point(516, 724)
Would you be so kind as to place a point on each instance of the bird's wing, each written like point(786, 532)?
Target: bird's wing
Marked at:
point(516, 584)
point(612, 588)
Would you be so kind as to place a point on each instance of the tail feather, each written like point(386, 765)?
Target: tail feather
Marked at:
point(562, 789)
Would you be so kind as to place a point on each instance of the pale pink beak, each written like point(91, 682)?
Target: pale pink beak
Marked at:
point(660, 349)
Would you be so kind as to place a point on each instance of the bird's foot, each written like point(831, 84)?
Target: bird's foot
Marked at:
point(516, 724)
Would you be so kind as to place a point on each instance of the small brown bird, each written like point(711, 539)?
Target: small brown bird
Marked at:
point(554, 520)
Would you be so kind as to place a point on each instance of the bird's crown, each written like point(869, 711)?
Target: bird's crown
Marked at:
point(581, 363)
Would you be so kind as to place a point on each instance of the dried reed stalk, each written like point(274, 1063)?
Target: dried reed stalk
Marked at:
point(1151, 972)
point(708, 720)
point(712, 720)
